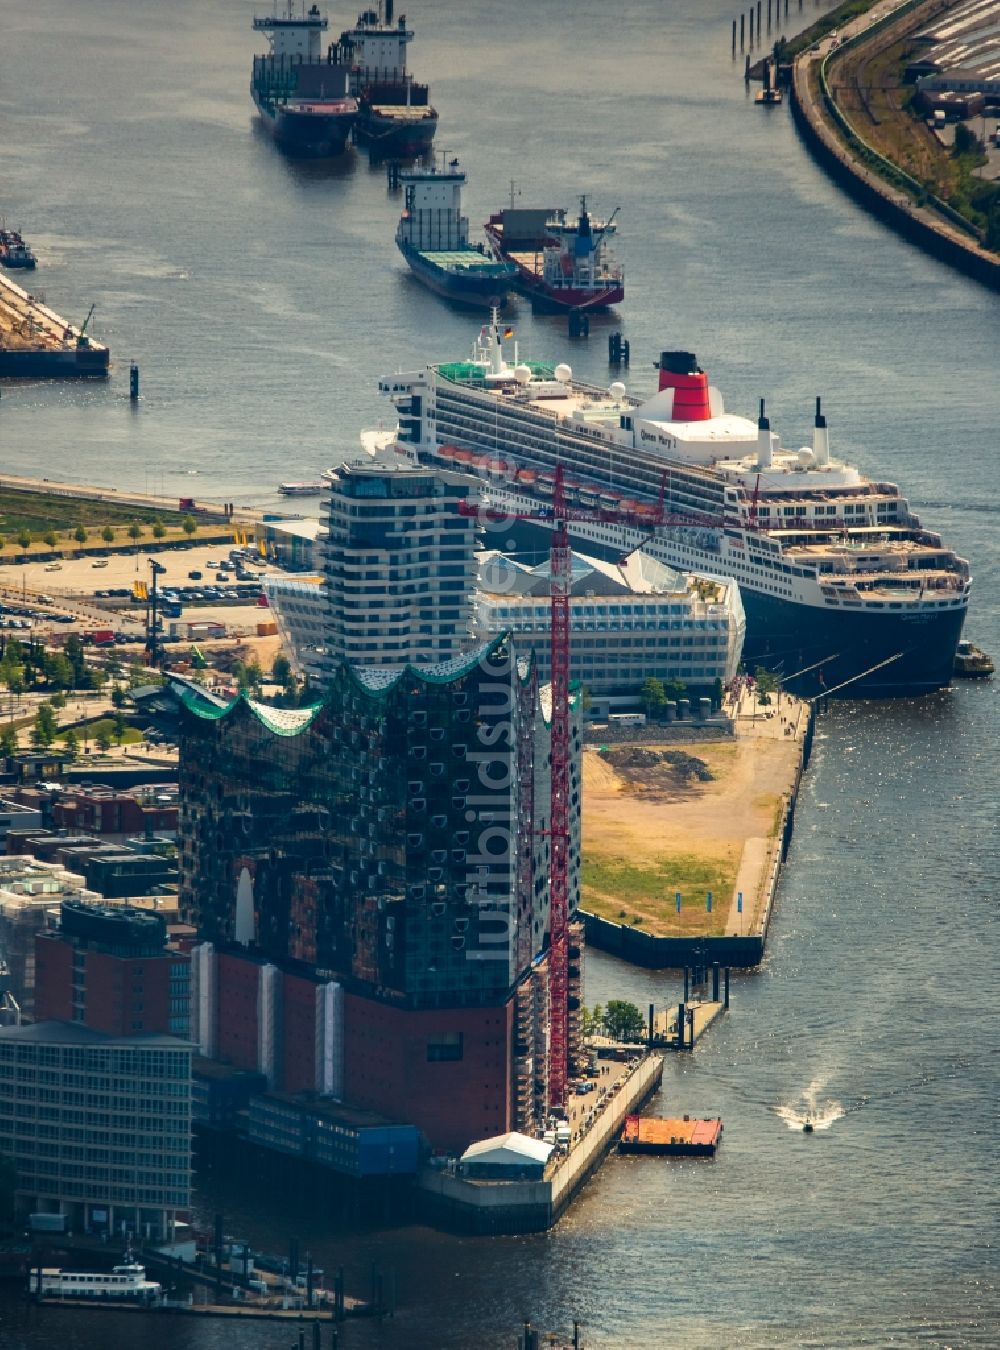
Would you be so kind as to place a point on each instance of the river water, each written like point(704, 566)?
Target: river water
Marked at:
point(263, 299)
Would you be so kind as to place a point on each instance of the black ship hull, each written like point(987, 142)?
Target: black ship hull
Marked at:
point(91, 363)
point(307, 134)
point(895, 655)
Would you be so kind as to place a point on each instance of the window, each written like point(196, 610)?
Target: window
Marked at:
point(446, 1045)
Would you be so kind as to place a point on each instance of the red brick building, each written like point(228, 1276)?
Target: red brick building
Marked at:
point(109, 968)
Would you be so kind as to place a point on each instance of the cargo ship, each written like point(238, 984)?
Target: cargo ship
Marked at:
point(14, 252)
point(845, 591)
point(433, 237)
point(395, 119)
point(303, 98)
point(562, 264)
point(35, 341)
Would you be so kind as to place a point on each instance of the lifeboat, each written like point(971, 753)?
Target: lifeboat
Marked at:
point(464, 456)
point(526, 476)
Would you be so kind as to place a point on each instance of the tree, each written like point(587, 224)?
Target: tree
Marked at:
point(24, 538)
point(623, 1021)
point(80, 535)
point(159, 529)
point(103, 737)
point(767, 684)
point(58, 670)
point(592, 1021)
point(118, 697)
point(653, 696)
point(281, 670)
point(118, 727)
point(188, 525)
point(966, 142)
point(58, 700)
point(135, 531)
point(675, 689)
point(255, 674)
point(71, 742)
point(717, 694)
point(51, 538)
point(8, 740)
point(107, 534)
point(43, 733)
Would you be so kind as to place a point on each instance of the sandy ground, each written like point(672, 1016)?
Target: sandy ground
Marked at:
point(640, 820)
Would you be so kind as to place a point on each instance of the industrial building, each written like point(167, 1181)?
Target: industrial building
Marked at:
point(98, 1126)
point(30, 891)
point(959, 52)
point(370, 880)
point(628, 621)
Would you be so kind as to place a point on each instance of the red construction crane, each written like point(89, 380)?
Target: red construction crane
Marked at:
point(558, 516)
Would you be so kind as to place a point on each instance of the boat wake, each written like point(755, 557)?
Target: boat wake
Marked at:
point(808, 1111)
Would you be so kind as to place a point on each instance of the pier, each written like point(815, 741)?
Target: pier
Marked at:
point(494, 1207)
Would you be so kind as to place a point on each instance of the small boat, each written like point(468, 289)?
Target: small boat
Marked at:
point(14, 252)
point(971, 662)
point(300, 489)
point(433, 237)
point(807, 1128)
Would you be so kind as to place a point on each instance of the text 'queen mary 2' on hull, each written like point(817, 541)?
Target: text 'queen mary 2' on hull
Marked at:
point(844, 590)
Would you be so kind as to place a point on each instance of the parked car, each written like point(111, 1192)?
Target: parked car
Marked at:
point(53, 567)
point(223, 576)
point(99, 562)
point(195, 575)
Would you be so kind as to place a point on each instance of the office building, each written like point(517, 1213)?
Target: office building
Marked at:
point(98, 1126)
point(109, 967)
point(628, 621)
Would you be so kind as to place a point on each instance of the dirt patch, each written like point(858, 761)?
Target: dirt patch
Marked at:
point(655, 828)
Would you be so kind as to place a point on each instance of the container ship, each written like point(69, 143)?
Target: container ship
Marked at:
point(303, 97)
point(562, 263)
point(395, 119)
point(35, 341)
point(433, 237)
point(844, 590)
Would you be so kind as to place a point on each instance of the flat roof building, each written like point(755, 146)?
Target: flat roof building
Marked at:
point(98, 1126)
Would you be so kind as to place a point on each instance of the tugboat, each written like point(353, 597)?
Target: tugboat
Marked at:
point(971, 662)
point(561, 264)
point(396, 119)
point(14, 252)
point(303, 98)
point(433, 237)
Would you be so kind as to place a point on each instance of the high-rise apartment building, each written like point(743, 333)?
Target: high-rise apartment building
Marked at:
point(398, 560)
point(370, 880)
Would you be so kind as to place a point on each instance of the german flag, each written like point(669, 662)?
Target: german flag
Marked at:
point(508, 332)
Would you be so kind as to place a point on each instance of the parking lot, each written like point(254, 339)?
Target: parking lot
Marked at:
point(212, 583)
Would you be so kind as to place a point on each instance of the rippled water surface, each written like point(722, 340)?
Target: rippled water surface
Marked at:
point(263, 300)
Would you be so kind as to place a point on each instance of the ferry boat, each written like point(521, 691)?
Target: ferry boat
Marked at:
point(300, 489)
point(303, 97)
point(395, 116)
point(126, 1283)
point(14, 252)
point(844, 589)
point(433, 237)
point(562, 264)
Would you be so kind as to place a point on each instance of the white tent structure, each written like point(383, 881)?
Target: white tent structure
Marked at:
point(506, 1157)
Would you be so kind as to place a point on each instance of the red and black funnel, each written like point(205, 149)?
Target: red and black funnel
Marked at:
point(680, 372)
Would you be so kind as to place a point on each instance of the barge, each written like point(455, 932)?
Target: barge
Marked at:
point(667, 1138)
point(35, 341)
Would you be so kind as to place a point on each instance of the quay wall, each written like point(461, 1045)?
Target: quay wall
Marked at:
point(844, 154)
point(493, 1208)
point(677, 953)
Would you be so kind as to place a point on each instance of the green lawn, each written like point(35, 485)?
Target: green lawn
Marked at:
point(92, 730)
point(627, 892)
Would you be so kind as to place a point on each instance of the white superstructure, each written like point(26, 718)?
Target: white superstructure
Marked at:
point(836, 570)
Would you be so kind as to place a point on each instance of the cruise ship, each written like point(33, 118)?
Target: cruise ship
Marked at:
point(844, 589)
